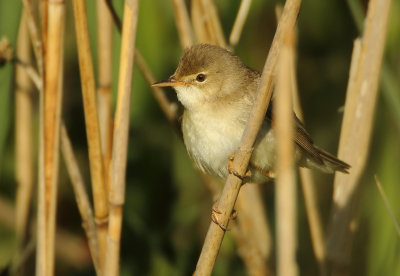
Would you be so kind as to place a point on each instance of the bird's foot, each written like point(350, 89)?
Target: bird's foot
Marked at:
point(267, 173)
point(233, 171)
point(215, 216)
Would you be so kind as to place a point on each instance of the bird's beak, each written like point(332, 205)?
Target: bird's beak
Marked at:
point(169, 82)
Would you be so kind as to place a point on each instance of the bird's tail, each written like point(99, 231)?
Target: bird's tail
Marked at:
point(333, 162)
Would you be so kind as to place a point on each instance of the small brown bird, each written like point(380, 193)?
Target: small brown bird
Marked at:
point(217, 91)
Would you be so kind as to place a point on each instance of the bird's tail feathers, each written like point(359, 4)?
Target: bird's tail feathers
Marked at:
point(333, 162)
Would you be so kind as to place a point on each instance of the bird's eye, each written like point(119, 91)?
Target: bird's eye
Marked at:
point(201, 77)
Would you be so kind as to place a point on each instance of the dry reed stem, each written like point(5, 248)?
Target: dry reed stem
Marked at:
point(40, 252)
point(239, 23)
point(390, 86)
point(82, 199)
point(92, 125)
point(285, 188)
point(200, 25)
point(83, 202)
point(387, 205)
point(310, 198)
point(104, 97)
point(355, 137)
point(24, 172)
point(252, 232)
point(206, 24)
point(211, 15)
point(31, 72)
point(306, 175)
point(232, 186)
point(121, 136)
point(88, 223)
point(183, 25)
point(43, 9)
point(34, 33)
point(47, 191)
point(23, 135)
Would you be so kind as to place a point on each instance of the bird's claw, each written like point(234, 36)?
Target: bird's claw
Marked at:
point(215, 217)
point(267, 173)
point(233, 171)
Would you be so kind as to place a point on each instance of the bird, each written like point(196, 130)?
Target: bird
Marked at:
point(217, 91)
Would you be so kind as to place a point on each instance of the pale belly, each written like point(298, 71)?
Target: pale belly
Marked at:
point(211, 143)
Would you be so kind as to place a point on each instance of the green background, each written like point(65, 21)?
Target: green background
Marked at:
point(167, 206)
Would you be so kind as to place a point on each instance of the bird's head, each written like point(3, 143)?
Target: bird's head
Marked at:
point(205, 74)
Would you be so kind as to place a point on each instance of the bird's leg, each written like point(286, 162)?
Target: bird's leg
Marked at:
point(268, 174)
point(215, 216)
point(233, 171)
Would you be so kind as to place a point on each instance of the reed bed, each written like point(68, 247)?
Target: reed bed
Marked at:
point(134, 219)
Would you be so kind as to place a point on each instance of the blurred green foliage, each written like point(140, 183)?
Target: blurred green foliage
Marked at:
point(167, 205)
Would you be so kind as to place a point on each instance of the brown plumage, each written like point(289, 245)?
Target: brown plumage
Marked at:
point(218, 91)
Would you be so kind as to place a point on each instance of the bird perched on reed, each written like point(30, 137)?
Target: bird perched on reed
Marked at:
point(217, 91)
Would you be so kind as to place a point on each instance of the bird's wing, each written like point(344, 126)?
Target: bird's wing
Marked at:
point(304, 141)
point(301, 137)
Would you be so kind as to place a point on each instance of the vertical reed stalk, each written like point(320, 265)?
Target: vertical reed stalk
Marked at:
point(206, 24)
point(355, 137)
point(232, 186)
point(306, 176)
point(24, 172)
point(104, 45)
point(285, 188)
point(211, 15)
point(47, 191)
point(92, 125)
point(121, 135)
point(43, 6)
point(40, 248)
point(182, 22)
point(23, 134)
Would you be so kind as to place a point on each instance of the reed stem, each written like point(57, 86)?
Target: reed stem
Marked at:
point(92, 126)
point(47, 191)
point(121, 135)
point(285, 188)
point(361, 96)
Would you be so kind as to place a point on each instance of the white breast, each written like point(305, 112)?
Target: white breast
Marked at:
point(211, 140)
